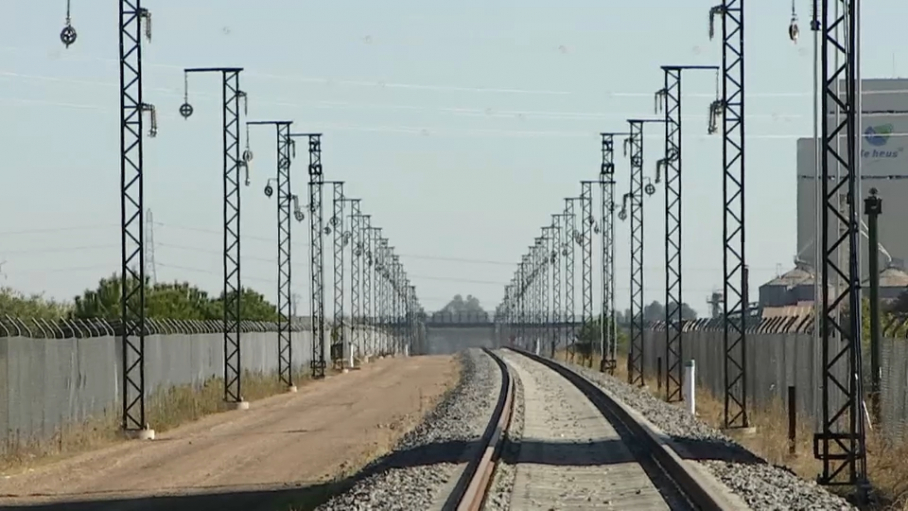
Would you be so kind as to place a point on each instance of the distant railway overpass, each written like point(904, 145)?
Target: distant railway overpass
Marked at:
point(447, 332)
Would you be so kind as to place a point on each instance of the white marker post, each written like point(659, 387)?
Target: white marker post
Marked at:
point(690, 386)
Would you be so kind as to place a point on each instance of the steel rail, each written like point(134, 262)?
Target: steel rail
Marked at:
point(470, 492)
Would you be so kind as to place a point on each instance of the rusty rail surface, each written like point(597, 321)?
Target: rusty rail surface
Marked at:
point(470, 491)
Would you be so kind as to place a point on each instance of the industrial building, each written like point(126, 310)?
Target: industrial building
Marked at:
point(884, 166)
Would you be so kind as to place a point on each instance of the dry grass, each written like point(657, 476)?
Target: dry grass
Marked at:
point(886, 459)
point(166, 409)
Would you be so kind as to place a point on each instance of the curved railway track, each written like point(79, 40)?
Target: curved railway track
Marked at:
point(581, 449)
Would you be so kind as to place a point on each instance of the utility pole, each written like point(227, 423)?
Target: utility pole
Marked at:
point(522, 301)
point(381, 272)
point(231, 94)
point(368, 278)
point(336, 224)
point(571, 236)
point(840, 442)
point(556, 281)
point(356, 274)
point(132, 208)
point(873, 208)
point(586, 260)
point(669, 98)
point(378, 249)
point(316, 256)
point(635, 370)
point(608, 329)
point(545, 256)
point(393, 281)
point(284, 199)
point(734, 287)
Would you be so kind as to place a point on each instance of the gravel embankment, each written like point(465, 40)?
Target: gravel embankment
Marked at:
point(763, 486)
point(499, 498)
point(426, 458)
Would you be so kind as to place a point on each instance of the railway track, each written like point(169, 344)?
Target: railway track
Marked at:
point(580, 450)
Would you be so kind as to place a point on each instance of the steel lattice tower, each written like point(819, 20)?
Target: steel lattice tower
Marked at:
point(231, 94)
point(635, 373)
point(607, 189)
point(284, 199)
point(356, 258)
point(385, 295)
point(522, 300)
point(547, 311)
point(367, 283)
point(382, 283)
point(316, 258)
point(392, 300)
point(414, 319)
point(542, 283)
point(398, 303)
point(734, 288)
point(556, 281)
point(338, 335)
point(394, 304)
point(284, 301)
point(671, 163)
point(132, 206)
point(586, 258)
point(570, 236)
point(538, 259)
point(840, 443)
point(378, 284)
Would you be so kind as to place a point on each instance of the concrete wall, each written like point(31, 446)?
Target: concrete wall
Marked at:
point(443, 340)
point(48, 383)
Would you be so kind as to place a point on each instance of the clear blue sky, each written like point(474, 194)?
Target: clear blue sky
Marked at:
point(460, 125)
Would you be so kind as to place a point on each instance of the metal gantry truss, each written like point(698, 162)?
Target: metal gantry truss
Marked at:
point(231, 94)
point(734, 268)
point(840, 442)
point(548, 313)
point(338, 229)
point(588, 223)
point(370, 234)
point(609, 331)
point(556, 262)
point(571, 236)
point(521, 301)
point(635, 368)
point(317, 363)
point(284, 200)
point(670, 95)
point(541, 252)
point(132, 209)
point(357, 250)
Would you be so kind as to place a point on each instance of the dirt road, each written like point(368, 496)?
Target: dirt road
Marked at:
point(281, 451)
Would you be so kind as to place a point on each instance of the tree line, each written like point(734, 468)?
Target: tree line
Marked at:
point(176, 300)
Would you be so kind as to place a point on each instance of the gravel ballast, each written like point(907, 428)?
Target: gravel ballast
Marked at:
point(763, 486)
point(426, 458)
